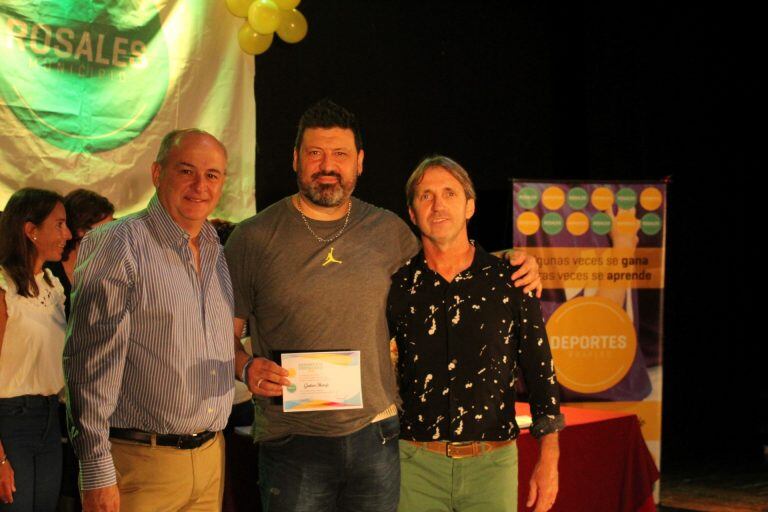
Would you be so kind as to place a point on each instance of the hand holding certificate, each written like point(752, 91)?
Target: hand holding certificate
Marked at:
point(264, 378)
point(322, 381)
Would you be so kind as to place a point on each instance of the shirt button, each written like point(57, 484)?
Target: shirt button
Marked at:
point(210, 410)
point(213, 372)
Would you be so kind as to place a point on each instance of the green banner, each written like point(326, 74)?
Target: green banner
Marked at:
point(87, 89)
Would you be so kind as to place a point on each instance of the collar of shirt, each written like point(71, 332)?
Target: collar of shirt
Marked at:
point(170, 232)
point(480, 260)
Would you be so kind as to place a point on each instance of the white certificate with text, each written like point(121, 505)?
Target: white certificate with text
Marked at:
point(322, 381)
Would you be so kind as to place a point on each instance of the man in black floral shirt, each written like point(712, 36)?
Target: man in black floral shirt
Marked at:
point(464, 333)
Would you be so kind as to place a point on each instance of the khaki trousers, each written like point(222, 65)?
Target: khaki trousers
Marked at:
point(160, 478)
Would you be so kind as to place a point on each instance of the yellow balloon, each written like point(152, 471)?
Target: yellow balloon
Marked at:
point(252, 42)
point(293, 26)
point(239, 7)
point(287, 5)
point(264, 16)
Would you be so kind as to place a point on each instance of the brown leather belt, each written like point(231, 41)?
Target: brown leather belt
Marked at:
point(461, 450)
point(182, 442)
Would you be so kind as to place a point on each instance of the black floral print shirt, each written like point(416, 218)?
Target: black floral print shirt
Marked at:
point(462, 345)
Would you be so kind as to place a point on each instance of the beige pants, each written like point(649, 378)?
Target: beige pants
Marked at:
point(159, 478)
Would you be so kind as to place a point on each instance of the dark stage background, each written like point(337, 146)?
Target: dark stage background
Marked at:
point(583, 90)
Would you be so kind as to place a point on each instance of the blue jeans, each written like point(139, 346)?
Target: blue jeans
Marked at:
point(359, 472)
point(29, 430)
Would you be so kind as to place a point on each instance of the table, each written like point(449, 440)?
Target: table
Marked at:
point(605, 464)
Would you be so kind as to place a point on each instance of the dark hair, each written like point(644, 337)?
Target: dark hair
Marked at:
point(17, 252)
point(327, 114)
point(223, 228)
point(174, 138)
point(84, 209)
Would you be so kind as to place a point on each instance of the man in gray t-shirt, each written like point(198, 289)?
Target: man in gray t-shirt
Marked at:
point(298, 302)
point(312, 273)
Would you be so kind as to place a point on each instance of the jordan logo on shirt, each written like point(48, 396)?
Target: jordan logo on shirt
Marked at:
point(330, 259)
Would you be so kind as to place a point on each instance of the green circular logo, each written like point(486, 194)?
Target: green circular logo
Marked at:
point(552, 223)
point(650, 224)
point(84, 76)
point(601, 223)
point(577, 198)
point(626, 198)
point(528, 197)
point(291, 388)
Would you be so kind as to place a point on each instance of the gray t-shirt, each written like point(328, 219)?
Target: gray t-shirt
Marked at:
point(294, 302)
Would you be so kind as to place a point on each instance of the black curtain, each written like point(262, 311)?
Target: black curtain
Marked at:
point(581, 90)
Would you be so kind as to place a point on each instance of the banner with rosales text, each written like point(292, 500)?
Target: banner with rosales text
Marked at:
point(88, 89)
point(600, 248)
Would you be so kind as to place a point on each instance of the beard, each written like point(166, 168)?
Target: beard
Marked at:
point(326, 194)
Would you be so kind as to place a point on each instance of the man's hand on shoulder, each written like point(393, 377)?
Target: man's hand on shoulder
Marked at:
point(103, 499)
point(528, 273)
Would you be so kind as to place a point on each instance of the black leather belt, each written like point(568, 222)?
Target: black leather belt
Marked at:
point(181, 441)
point(31, 401)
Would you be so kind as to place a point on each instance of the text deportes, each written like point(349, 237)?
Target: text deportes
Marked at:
point(592, 342)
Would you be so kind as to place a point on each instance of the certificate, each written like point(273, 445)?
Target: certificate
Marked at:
point(322, 381)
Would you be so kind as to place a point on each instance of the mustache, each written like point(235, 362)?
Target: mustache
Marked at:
point(326, 173)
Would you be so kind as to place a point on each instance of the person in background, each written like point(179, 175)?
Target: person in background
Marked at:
point(33, 230)
point(85, 210)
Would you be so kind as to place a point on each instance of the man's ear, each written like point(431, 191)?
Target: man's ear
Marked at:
point(412, 215)
point(157, 170)
point(470, 210)
point(360, 157)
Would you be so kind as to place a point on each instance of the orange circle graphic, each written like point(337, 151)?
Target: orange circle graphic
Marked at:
point(553, 198)
point(602, 198)
point(650, 199)
point(577, 223)
point(528, 223)
point(593, 344)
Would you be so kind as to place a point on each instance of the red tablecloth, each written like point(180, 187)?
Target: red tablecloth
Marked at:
point(605, 465)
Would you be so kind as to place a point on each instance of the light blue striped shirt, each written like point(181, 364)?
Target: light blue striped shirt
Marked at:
point(149, 344)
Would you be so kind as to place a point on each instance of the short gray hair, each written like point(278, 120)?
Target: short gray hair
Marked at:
point(174, 138)
point(450, 165)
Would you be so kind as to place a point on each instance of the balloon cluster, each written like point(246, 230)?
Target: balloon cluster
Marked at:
point(263, 19)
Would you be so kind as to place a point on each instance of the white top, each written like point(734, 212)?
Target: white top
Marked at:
point(31, 354)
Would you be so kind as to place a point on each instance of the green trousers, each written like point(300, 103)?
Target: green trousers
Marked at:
point(430, 482)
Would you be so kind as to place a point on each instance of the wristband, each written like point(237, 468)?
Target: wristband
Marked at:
point(244, 375)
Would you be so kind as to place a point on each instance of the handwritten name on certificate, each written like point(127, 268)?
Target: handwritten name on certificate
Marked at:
point(322, 381)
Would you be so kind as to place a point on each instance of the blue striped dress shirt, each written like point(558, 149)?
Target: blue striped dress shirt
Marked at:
point(149, 344)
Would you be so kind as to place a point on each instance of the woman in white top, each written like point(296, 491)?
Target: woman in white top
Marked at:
point(33, 230)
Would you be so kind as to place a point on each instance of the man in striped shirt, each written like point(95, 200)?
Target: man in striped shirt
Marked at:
point(149, 352)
